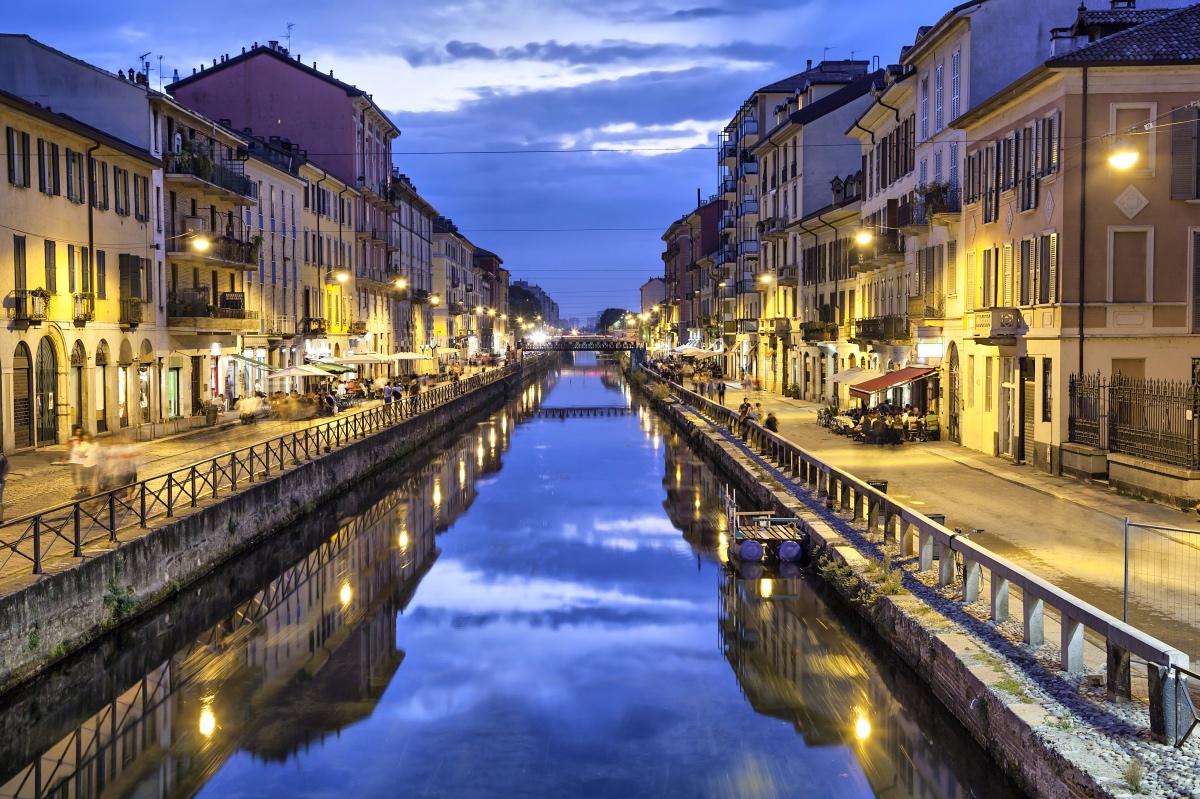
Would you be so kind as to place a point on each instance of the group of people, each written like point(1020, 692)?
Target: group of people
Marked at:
point(95, 469)
point(890, 424)
point(705, 379)
point(754, 413)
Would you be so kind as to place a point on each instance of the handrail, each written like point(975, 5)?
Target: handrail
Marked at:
point(897, 520)
point(77, 523)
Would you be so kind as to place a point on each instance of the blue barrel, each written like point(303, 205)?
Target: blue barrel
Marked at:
point(790, 551)
point(750, 571)
point(750, 550)
point(789, 570)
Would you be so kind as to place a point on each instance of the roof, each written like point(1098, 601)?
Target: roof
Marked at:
point(824, 72)
point(282, 55)
point(80, 128)
point(827, 104)
point(1171, 38)
point(924, 31)
point(1117, 16)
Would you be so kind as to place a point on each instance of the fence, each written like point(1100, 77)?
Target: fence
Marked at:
point(73, 525)
point(917, 534)
point(1162, 583)
point(1158, 420)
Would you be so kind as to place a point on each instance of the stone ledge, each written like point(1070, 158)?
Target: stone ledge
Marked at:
point(1161, 482)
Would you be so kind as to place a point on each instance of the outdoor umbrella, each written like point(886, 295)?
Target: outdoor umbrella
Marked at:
point(303, 370)
point(362, 357)
point(408, 356)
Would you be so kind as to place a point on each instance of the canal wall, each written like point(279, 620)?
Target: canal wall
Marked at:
point(62, 612)
point(1047, 752)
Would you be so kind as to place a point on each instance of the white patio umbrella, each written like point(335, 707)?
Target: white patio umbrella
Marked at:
point(408, 356)
point(303, 370)
point(362, 357)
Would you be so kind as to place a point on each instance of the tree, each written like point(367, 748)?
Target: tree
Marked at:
point(522, 303)
point(610, 317)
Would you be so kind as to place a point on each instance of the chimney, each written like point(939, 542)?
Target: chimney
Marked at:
point(1116, 4)
point(698, 201)
point(839, 190)
point(809, 64)
point(175, 77)
point(273, 44)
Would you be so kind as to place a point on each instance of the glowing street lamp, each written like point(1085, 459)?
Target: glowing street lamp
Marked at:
point(435, 300)
point(401, 283)
point(1123, 155)
point(864, 236)
point(201, 243)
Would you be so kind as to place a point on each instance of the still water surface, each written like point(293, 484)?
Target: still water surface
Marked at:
point(540, 610)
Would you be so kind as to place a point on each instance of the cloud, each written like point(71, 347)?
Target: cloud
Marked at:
point(586, 55)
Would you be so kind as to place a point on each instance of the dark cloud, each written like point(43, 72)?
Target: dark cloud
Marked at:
point(607, 52)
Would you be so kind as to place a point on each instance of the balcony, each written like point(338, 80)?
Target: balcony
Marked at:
point(748, 247)
point(362, 231)
point(727, 222)
point(192, 309)
point(778, 325)
point(83, 308)
point(996, 325)
point(930, 307)
point(728, 185)
point(725, 255)
point(131, 311)
point(313, 326)
point(420, 296)
point(789, 275)
point(748, 208)
point(772, 226)
point(749, 128)
point(356, 328)
point(815, 331)
point(911, 218)
point(747, 168)
point(747, 325)
point(30, 306)
point(221, 250)
point(943, 204)
point(281, 326)
point(882, 328)
point(729, 328)
point(196, 169)
point(886, 249)
point(728, 150)
point(456, 308)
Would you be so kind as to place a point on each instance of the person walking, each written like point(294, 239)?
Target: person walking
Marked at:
point(75, 457)
point(721, 391)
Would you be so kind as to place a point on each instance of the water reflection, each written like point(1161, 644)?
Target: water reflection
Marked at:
point(561, 643)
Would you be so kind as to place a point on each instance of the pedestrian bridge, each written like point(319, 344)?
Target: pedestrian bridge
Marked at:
point(578, 344)
point(597, 412)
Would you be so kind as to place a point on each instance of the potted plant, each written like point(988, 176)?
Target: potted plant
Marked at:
point(936, 196)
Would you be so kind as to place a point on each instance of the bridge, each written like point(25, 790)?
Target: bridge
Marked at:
point(578, 344)
point(597, 412)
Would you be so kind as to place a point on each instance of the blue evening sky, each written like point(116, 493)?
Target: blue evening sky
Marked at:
point(521, 75)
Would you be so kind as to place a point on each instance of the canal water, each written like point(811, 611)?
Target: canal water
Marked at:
point(542, 609)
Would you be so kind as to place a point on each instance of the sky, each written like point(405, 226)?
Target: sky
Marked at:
point(525, 75)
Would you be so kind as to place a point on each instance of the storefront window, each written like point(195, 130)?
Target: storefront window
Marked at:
point(173, 393)
point(144, 394)
point(123, 396)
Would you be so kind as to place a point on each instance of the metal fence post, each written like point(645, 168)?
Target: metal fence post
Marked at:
point(78, 533)
point(1125, 603)
point(37, 544)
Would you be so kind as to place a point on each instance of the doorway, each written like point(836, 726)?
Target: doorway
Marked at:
point(22, 398)
point(953, 424)
point(75, 384)
point(45, 386)
point(1006, 423)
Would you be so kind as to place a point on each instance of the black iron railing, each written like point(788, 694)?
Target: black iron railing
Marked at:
point(30, 305)
point(131, 311)
point(1158, 420)
point(71, 526)
point(201, 166)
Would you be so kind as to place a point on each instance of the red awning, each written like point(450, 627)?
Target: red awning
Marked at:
point(865, 389)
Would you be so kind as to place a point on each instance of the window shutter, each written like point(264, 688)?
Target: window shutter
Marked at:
point(1036, 268)
point(952, 268)
point(10, 142)
point(1055, 123)
point(1007, 276)
point(43, 185)
point(1053, 267)
point(969, 289)
point(25, 159)
point(55, 182)
point(1183, 154)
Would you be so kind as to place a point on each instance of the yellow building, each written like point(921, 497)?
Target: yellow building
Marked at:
point(77, 280)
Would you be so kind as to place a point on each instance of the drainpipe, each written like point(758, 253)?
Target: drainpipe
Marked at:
point(871, 133)
point(895, 111)
point(320, 245)
point(91, 205)
point(1082, 212)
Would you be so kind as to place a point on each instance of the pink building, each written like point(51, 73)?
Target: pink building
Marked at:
point(269, 92)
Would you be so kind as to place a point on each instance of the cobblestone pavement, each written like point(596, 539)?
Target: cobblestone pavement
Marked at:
point(1066, 531)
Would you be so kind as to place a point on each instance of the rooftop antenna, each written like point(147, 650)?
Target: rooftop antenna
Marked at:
point(288, 36)
point(160, 58)
point(825, 54)
point(145, 65)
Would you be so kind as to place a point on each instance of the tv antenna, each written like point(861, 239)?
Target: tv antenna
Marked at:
point(288, 35)
point(144, 64)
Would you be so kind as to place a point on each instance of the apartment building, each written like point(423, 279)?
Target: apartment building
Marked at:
point(1080, 264)
point(453, 273)
point(681, 251)
point(81, 348)
point(491, 313)
point(329, 264)
point(416, 217)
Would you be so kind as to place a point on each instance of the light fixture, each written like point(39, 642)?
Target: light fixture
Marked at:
point(491, 311)
point(345, 594)
point(765, 278)
point(401, 283)
point(863, 236)
point(862, 728)
point(434, 300)
point(1122, 155)
point(342, 277)
point(201, 243)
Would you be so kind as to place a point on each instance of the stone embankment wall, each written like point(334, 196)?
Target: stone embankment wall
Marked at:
point(959, 669)
point(62, 612)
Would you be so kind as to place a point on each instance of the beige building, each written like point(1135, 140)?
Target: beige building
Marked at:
point(327, 277)
point(79, 254)
point(453, 283)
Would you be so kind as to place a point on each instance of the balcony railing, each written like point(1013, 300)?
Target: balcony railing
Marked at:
point(456, 308)
point(131, 311)
point(220, 248)
point(943, 200)
point(789, 275)
point(420, 296)
point(748, 325)
point(83, 307)
point(882, 328)
point(356, 328)
point(747, 247)
point(927, 307)
point(213, 172)
point(727, 222)
point(912, 215)
point(748, 208)
point(750, 127)
point(281, 326)
point(195, 304)
point(997, 323)
point(728, 185)
point(819, 331)
point(314, 326)
point(728, 150)
point(30, 305)
point(748, 168)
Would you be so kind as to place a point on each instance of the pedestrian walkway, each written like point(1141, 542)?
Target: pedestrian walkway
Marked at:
point(1066, 531)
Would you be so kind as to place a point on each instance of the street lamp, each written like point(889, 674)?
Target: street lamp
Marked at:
point(1122, 155)
point(863, 236)
point(435, 300)
point(342, 277)
point(401, 283)
point(201, 243)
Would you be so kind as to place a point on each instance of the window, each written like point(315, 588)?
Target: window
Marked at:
point(953, 166)
point(938, 115)
point(1129, 273)
point(937, 167)
point(51, 266)
point(1047, 389)
point(955, 84)
point(1127, 121)
point(987, 382)
point(1027, 270)
point(1184, 160)
point(17, 147)
point(48, 169)
point(101, 275)
point(1047, 264)
point(924, 108)
point(19, 262)
point(71, 268)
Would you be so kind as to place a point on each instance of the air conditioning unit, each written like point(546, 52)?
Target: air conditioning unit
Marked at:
point(195, 224)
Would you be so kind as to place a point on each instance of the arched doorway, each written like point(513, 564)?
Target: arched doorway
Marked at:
point(953, 427)
point(145, 381)
point(102, 387)
point(75, 384)
point(124, 361)
point(46, 387)
point(22, 398)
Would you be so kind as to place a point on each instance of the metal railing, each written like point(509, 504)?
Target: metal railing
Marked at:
point(30, 305)
point(210, 171)
point(284, 326)
point(131, 311)
point(220, 248)
point(314, 325)
point(73, 525)
point(83, 307)
point(1158, 420)
point(917, 534)
point(911, 215)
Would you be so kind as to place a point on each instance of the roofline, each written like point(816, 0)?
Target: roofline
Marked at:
point(815, 216)
point(351, 91)
point(852, 93)
point(937, 31)
point(79, 128)
point(875, 101)
point(1039, 74)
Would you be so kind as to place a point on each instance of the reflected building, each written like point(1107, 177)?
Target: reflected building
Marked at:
point(795, 663)
point(693, 497)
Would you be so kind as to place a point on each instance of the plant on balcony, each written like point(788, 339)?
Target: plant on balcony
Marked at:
point(936, 196)
point(40, 293)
